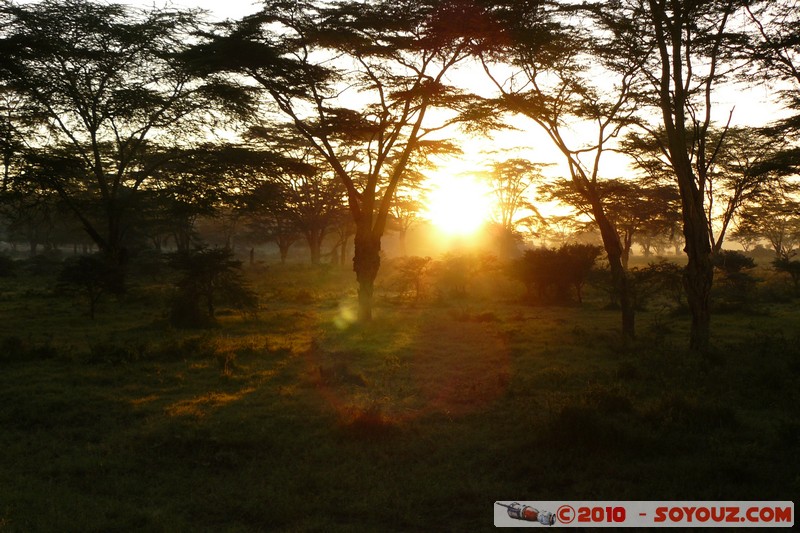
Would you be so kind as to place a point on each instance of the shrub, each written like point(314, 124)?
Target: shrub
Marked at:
point(91, 276)
point(548, 273)
point(734, 286)
point(663, 278)
point(791, 267)
point(731, 261)
point(207, 276)
point(455, 272)
point(410, 274)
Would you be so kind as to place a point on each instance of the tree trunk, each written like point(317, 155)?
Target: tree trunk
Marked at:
point(619, 276)
point(366, 262)
point(674, 102)
point(284, 251)
point(699, 273)
point(314, 240)
point(210, 303)
point(698, 277)
point(626, 248)
point(114, 248)
point(622, 284)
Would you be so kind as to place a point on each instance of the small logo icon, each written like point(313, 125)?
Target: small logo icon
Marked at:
point(528, 513)
point(565, 514)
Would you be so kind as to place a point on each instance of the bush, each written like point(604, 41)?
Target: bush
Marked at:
point(548, 273)
point(409, 276)
point(791, 267)
point(455, 272)
point(658, 279)
point(207, 276)
point(91, 276)
point(734, 286)
point(731, 261)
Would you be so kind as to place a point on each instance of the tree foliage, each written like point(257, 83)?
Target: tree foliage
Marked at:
point(100, 85)
point(207, 275)
point(510, 182)
point(558, 54)
point(633, 205)
point(686, 50)
point(549, 273)
point(90, 275)
point(313, 61)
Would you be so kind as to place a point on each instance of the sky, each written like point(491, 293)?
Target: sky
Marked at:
point(219, 9)
point(750, 106)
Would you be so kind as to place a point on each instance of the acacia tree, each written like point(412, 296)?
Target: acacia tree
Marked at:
point(30, 213)
point(740, 174)
point(744, 177)
point(269, 217)
point(510, 182)
point(105, 83)
point(633, 205)
point(684, 49)
point(311, 197)
point(557, 54)
point(315, 202)
point(12, 143)
point(357, 80)
point(776, 219)
point(405, 213)
point(410, 200)
point(776, 48)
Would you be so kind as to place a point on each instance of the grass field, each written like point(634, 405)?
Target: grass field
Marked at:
point(299, 420)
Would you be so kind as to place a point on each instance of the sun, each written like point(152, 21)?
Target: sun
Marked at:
point(458, 205)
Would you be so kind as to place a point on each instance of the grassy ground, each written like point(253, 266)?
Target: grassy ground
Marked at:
point(298, 420)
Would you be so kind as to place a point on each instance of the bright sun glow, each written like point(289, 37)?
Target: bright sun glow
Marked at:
point(458, 205)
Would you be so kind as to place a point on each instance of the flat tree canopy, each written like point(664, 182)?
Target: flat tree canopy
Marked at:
point(102, 86)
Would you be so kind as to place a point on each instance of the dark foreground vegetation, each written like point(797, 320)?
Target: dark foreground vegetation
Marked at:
point(289, 417)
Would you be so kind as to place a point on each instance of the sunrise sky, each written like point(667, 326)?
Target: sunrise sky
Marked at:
point(457, 204)
point(221, 9)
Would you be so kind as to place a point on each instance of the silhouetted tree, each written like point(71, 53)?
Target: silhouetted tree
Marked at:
point(31, 214)
point(269, 216)
point(206, 276)
point(776, 219)
point(740, 174)
point(549, 273)
point(510, 182)
point(357, 81)
point(411, 272)
point(559, 56)
point(104, 82)
point(91, 275)
point(776, 49)
point(684, 48)
point(632, 205)
point(791, 267)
